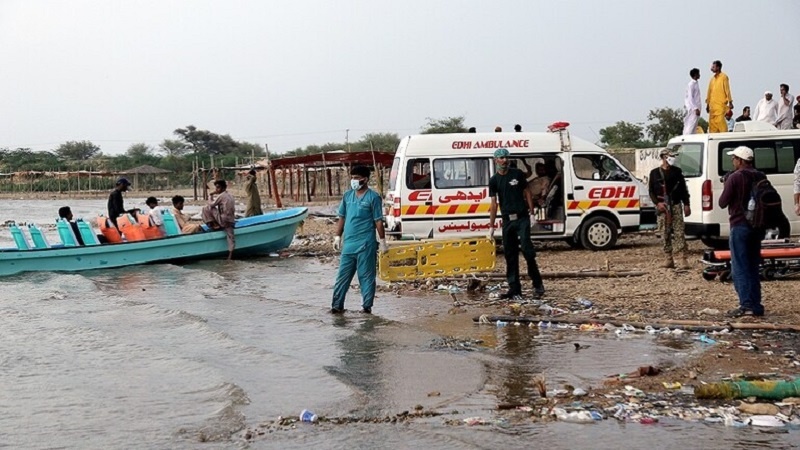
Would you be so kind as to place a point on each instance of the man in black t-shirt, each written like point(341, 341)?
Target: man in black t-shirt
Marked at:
point(508, 185)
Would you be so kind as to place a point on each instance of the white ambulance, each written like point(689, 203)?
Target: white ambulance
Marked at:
point(439, 188)
point(704, 161)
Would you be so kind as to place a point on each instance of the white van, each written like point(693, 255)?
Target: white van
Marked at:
point(438, 188)
point(704, 162)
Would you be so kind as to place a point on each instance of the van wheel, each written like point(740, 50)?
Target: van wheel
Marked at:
point(598, 233)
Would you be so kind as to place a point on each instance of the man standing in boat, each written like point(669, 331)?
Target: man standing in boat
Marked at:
point(360, 215)
point(116, 204)
point(220, 213)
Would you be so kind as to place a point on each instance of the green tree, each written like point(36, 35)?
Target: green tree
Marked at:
point(205, 142)
point(248, 149)
point(444, 125)
point(27, 159)
point(77, 150)
point(702, 123)
point(623, 134)
point(666, 124)
point(139, 150)
point(173, 147)
point(378, 142)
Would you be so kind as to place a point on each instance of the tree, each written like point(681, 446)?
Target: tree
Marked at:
point(623, 134)
point(444, 125)
point(378, 142)
point(206, 142)
point(702, 123)
point(173, 147)
point(139, 150)
point(26, 159)
point(74, 150)
point(668, 124)
point(248, 149)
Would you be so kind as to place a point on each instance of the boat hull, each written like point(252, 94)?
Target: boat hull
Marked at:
point(268, 233)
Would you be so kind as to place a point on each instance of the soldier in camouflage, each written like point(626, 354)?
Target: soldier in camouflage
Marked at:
point(667, 188)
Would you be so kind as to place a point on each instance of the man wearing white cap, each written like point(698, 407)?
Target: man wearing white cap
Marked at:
point(745, 241)
point(767, 109)
point(785, 115)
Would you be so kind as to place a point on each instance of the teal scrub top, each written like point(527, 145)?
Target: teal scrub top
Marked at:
point(360, 215)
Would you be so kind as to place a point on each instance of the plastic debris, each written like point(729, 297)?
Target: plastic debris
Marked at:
point(573, 416)
point(705, 339)
point(475, 421)
point(766, 421)
point(308, 416)
point(585, 302)
point(578, 392)
point(673, 385)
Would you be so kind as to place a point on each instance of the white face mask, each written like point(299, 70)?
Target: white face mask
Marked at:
point(671, 160)
point(355, 184)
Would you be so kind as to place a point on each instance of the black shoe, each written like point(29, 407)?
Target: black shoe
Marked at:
point(366, 310)
point(538, 293)
point(508, 295)
point(337, 311)
point(739, 312)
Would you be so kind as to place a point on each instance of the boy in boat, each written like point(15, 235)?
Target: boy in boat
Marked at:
point(155, 212)
point(220, 213)
point(66, 213)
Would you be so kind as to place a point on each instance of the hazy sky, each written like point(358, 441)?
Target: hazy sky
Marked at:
point(300, 72)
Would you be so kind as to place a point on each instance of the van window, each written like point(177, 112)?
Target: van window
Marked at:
point(598, 167)
point(690, 158)
point(461, 172)
point(418, 173)
point(771, 156)
point(393, 174)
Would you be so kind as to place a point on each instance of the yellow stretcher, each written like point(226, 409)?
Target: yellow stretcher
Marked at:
point(430, 259)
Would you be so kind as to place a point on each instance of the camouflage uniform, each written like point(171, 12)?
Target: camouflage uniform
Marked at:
point(674, 241)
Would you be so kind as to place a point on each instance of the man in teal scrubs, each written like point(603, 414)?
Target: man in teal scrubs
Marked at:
point(360, 214)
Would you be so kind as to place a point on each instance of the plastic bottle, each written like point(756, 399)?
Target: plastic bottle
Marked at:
point(574, 416)
point(308, 416)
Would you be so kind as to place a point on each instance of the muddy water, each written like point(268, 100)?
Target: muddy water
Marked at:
point(168, 356)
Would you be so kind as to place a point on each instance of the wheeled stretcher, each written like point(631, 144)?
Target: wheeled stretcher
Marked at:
point(780, 258)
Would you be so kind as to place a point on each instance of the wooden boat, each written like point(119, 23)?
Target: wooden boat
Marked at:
point(254, 235)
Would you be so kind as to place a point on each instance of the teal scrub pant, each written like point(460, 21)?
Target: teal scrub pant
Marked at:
point(365, 263)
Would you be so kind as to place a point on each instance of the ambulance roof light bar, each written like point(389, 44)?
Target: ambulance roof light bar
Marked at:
point(563, 134)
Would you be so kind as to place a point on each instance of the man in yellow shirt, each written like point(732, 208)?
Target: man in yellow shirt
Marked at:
point(718, 100)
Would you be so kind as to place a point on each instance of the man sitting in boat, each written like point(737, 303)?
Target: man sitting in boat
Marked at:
point(220, 213)
point(181, 219)
point(156, 216)
point(66, 213)
point(116, 204)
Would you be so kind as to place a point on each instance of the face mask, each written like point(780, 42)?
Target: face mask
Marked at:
point(355, 184)
point(671, 160)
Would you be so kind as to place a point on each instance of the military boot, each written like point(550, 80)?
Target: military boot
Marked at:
point(682, 262)
point(668, 262)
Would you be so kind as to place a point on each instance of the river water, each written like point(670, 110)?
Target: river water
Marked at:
point(168, 356)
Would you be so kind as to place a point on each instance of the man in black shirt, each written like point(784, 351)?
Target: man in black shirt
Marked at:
point(745, 115)
point(667, 188)
point(116, 205)
point(516, 204)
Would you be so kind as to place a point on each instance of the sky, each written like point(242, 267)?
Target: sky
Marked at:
point(300, 72)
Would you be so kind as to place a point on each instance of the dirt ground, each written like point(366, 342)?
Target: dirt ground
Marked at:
point(659, 294)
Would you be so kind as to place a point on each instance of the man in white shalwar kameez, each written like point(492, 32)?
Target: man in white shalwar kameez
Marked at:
point(692, 103)
point(767, 109)
point(785, 114)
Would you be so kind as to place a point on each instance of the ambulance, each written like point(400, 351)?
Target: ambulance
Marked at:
point(439, 188)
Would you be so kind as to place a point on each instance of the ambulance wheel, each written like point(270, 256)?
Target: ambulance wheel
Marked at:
point(709, 276)
point(598, 233)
